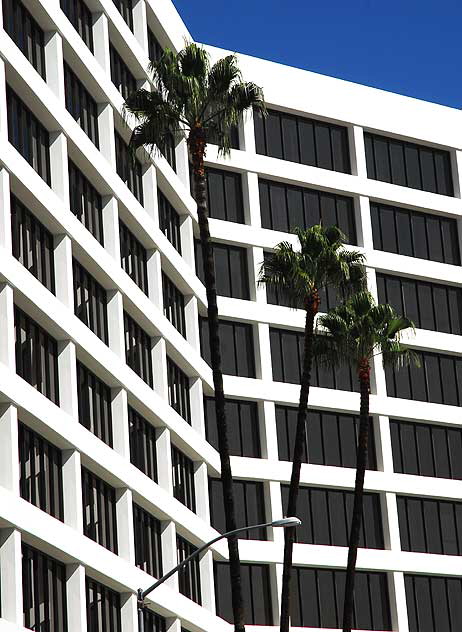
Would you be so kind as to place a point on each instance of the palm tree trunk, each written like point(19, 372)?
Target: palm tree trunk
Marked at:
point(357, 517)
point(311, 311)
point(197, 144)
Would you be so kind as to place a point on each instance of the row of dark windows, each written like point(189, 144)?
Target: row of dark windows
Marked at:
point(173, 301)
point(85, 202)
point(231, 269)
point(79, 15)
point(99, 511)
point(90, 301)
point(143, 453)
point(250, 507)
point(224, 195)
point(125, 8)
point(25, 33)
point(178, 390)
point(189, 578)
point(133, 257)
point(138, 350)
point(433, 603)
point(236, 346)
point(169, 221)
point(242, 423)
point(148, 546)
point(94, 404)
point(183, 479)
point(81, 105)
point(121, 76)
point(128, 168)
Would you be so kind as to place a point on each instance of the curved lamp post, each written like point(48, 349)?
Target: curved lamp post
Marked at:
point(142, 594)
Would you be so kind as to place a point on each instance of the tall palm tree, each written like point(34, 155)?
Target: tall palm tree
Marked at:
point(299, 275)
point(355, 332)
point(193, 100)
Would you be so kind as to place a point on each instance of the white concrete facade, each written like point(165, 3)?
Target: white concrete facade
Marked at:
point(296, 91)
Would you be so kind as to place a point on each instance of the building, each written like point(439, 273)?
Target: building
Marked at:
point(108, 470)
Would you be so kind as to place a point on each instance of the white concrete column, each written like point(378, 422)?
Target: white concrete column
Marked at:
point(363, 222)
point(255, 259)
point(3, 108)
point(140, 24)
point(268, 432)
point(101, 42)
point(159, 366)
point(187, 240)
point(129, 612)
point(456, 165)
point(182, 163)
point(5, 210)
point(383, 444)
point(391, 523)
point(111, 227)
point(11, 576)
point(196, 398)
point(263, 352)
point(106, 133)
point(357, 151)
point(154, 266)
point(150, 204)
point(7, 340)
point(75, 596)
point(169, 552)
point(115, 323)
point(64, 282)
point(125, 531)
point(207, 581)
point(67, 378)
point(72, 483)
point(9, 452)
point(398, 603)
point(120, 431)
point(54, 64)
point(58, 166)
point(246, 133)
point(275, 573)
point(164, 460)
point(274, 510)
point(251, 199)
point(191, 314)
point(201, 486)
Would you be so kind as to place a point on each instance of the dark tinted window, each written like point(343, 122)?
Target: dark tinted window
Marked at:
point(304, 140)
point(148, 548)
point(231, 270)
point(169, 221)
point(415, 234)
point(237, 348)
point(233, 137)
point(249, 504)
point(36, 356)
point(32, 244)
point(178, 390)
point(224, 195)
point(429, 305)
point(153, 622)
point(103, 607)
point(285, 207)
point(154, 48)
point(142, 444)
point(40, 472)
point(256, 591)
point(183, 479)
point(81, 105)
point(242, 423)
point(25, 33)
point(189, 578)
point(426, 449)
point(124, 7)
point(81, 19)
point(94, 397)
point(433, 603)
point(138, 350)
point(121, 76)
point(90, 301)
point(99, 511)
point(326, 517)
point(133, 257)
point(173, 304)
point(85, 202)
point(128, 168)
point(408, 164)
point(325, 608)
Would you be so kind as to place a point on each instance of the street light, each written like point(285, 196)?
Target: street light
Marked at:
point(142, 594)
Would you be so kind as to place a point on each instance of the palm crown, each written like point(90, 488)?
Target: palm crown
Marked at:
point(321, 261)
point(190, 95)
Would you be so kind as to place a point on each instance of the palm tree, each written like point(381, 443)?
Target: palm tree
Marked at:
point(193, 100)
point(356, 332)
point(299, 275)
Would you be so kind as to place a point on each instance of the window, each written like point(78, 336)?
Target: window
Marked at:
point(169, 221)
point(128, 168)
point(121, 76)
point(408, 164)
point(256, 591)
point(178, 390)
point(85, 202)
point(142, 444)
point(332, 438)
point(44, 591)
point(25, 33)
point(437, 380)
point(236, 346)
point(36, 356)
point(28, 135)
point(325, 608)
point(233, 137)
point(103, 607)
point(153, 621)
point(433, 603)
point(148, 548)
point(231, 271)
point(242, 423)
point(81, 105)
point(224, 195)
point(40, 473)
point(94, 398)
point(249, 505)
point(183, 479)
point(138, 350)
point(168, 150)
point(173, 304)
point(189, 578)
point(155, 50)
point(430, 525)
point(426, 449)
point(415, 234)
point(133, 257)
point(99, 511)
point(90, 301)
point(287, 358)
point(80, 17)
point(429, 305)
point(303, 140)
point(326, 517)
point(285, 207)
point(32, 244)
point(124, 7)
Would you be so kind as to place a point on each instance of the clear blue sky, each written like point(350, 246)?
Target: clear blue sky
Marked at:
point(412, 47)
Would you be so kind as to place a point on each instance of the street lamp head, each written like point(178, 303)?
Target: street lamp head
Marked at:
point(286, 522)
